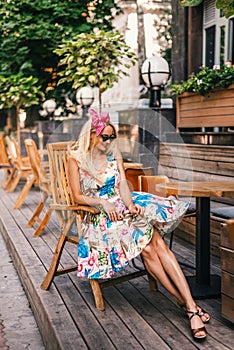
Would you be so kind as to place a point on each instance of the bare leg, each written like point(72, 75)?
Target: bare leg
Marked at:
point(155, 268)
point(169, 273)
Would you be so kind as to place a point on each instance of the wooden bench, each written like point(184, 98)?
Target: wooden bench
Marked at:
point(227, 268)
point(190, 162)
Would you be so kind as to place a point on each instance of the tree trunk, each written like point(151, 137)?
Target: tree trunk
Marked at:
point(17, 111)
point(141, 38)
point(100, 100)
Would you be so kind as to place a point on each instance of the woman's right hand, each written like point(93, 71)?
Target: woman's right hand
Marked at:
point(110, 209)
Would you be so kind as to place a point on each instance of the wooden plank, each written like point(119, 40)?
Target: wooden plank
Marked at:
point(227, 286)
point(227, 260)
point(207, 121)
point(201, 165)
point(228, 308)
point(227, 239)
point(222, 93)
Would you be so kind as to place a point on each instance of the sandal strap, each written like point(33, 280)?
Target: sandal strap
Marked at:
point(193, 313)
point(197, 330)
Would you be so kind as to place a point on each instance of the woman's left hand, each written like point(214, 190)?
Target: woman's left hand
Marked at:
point(136, 209)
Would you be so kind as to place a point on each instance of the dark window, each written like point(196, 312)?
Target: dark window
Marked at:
point(231, 41)
point(210, 47)
point(222, 45)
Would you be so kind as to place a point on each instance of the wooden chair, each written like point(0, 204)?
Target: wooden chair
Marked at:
point(42, 180)
point(132, 175)
point(5, 162)
point(22, 167)
point(68, 212)
point(149, 184)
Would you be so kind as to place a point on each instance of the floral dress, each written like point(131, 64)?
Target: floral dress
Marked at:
point(106, 247)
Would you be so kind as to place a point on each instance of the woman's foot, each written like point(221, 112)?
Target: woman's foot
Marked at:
point(205, 317)
point(197, 327)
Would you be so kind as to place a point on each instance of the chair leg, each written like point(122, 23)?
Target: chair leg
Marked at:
point(9, 179)
point(57, 255)
point(19, 201)
point(152, 281)
point(36, 214)
point(43, 223)
point(171, 240)
point(15, 180)
point(55, 262)
point(97, 293)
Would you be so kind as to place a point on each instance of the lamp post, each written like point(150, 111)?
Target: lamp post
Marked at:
point(85, 98)
point(155, 72)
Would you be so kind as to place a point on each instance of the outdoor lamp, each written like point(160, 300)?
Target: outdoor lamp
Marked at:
point(155, 72)
point(49, 107)
point(85, 98)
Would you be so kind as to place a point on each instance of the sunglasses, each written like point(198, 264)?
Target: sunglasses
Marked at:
point(106, 137)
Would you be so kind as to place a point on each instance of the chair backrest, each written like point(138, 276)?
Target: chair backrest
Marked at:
point(61, 192)
point(149, 183)
point(132, 175)
point(14, 152)
point(4, 157)
point(39, 173)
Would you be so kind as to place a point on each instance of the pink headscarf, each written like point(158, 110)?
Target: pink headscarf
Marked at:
point(99, 122)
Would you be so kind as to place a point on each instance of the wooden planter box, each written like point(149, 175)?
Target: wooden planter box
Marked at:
point(213, 110)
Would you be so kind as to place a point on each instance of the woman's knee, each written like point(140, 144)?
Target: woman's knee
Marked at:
point(148, 251)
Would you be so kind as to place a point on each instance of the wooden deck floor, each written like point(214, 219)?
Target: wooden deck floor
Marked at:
point(134, 318)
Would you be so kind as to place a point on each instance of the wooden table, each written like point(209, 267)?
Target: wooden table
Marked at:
point(203, 285)
point(132, 165)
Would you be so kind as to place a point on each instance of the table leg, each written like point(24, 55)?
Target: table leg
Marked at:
point(203, 285)
point(203, 240)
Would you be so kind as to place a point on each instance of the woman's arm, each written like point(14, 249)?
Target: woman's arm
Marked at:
point(80, 198)
point(74, 182)
point(125, 191)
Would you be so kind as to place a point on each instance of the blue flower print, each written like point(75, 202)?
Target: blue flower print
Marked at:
point(136, 234)
point(161, 209)
point(115, 263)
point(142, 199)
point(108, 222)
point(83, 249)
point(108, 187)
point(95, 275)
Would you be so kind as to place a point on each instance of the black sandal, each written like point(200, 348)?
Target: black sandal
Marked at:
point(196, 330)
point(201, 312)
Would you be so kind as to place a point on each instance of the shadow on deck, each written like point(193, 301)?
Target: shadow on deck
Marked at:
point(134, 318)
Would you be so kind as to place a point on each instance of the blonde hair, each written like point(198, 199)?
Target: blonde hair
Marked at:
point(81, 150)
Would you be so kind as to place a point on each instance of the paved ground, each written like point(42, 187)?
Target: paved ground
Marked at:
point(18, 328)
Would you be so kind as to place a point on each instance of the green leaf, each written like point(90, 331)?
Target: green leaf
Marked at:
point(190, 2)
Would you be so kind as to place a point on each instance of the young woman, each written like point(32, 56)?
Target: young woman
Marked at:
point(129, 224)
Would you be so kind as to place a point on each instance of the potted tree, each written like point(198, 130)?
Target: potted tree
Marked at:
point(18, 91)
point(97, 59)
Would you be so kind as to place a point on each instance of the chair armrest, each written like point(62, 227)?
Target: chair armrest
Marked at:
point(86, 208)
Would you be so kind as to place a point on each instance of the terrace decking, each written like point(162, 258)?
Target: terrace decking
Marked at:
point(134, 318)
